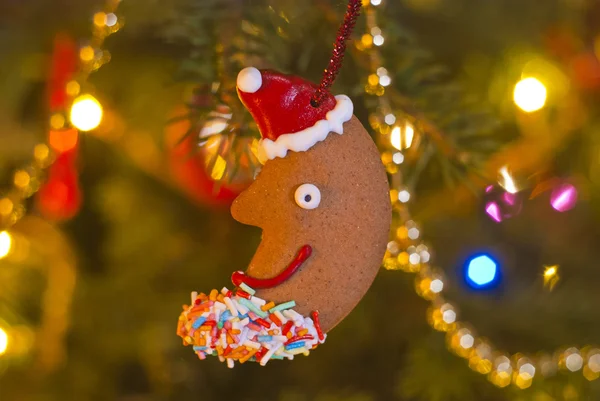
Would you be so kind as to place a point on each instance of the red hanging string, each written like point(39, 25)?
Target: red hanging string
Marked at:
point(339, 49)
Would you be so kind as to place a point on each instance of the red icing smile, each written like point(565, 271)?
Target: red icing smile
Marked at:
point(240, 277)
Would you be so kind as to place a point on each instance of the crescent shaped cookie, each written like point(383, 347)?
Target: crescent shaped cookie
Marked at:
point(322, 201)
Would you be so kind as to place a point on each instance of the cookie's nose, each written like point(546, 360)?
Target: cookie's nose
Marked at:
point(243, 208)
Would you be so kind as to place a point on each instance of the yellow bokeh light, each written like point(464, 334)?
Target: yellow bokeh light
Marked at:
point(22, 179)
point(86, 113)
point(3, 341)
point(403, 258)
point(57, 121)
point(530, 95)
point(390, 263)
point(551, 276)
point(550, 271)
point(391, 168)
point(367, 40)
point(5, 244)
point(589, 374)
point(73, 88)
point(87, 53)
point(386, 157)
point(523, 381)
point(6, 206)
point(100, 19)
point(41, 152)
point(373, 79)
point(393, 195)
point(402, 233)
point(402, 138)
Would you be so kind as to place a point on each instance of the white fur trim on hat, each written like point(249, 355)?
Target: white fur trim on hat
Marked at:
point(303, 140)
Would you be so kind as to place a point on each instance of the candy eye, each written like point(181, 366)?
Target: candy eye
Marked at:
point(308, 196)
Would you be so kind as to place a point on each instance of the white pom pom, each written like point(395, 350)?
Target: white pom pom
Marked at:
point(249, 80)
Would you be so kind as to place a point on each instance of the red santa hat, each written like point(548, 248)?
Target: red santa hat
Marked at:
point(280, 105)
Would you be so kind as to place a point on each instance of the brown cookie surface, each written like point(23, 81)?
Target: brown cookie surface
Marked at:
point(348, 231)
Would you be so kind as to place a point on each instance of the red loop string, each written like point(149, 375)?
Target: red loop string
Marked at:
point(339, 49)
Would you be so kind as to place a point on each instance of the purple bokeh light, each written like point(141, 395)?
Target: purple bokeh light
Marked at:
point(501, 205)
point(563, 197)
point(510, 199)
point(493, 211)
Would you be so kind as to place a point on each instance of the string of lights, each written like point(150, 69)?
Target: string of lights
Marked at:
point(84, 114)
point(407, 252)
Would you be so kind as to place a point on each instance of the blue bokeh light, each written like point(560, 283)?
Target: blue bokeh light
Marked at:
point(482, 271)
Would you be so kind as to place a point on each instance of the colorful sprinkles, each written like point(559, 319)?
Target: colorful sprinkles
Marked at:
point(238, 326)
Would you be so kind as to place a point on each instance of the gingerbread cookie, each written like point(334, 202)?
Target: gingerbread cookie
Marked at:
point(322, 201)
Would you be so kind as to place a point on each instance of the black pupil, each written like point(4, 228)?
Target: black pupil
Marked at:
point(307, 198)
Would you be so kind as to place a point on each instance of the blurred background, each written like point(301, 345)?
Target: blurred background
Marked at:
point(122, 145)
